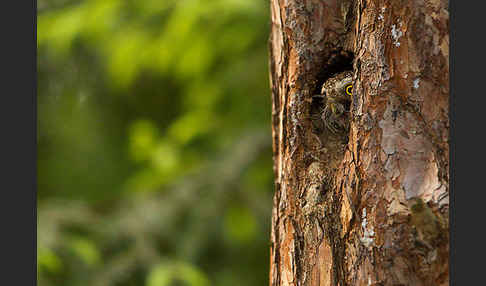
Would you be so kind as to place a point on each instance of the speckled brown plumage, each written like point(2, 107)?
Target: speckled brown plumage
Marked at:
point(337, 102)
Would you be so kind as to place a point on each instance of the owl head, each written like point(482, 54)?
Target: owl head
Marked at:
point(338, 86)
point(337, 92)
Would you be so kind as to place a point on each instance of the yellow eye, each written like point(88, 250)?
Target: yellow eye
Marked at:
point(349, 89)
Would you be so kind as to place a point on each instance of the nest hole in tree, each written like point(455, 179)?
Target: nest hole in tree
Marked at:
point(339, 61)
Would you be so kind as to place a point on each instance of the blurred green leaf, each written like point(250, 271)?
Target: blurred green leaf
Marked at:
point(240, 225)
point(125, 53)
point(58, 29)
point(86, 250)
point(191, 125)
point(167, 273)
point(49, 260)
point(161, 275)
point(143, 139)
point(165, 157)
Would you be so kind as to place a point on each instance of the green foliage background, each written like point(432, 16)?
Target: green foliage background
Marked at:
point(154, 145)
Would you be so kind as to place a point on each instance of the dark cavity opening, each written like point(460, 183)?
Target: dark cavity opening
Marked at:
point(339, 61)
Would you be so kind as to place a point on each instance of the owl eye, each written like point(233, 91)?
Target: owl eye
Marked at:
point(349, 89)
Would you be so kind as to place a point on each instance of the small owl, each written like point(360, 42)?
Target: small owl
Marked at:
point(337, 92)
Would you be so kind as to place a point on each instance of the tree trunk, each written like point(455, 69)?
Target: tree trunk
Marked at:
point(368, 206)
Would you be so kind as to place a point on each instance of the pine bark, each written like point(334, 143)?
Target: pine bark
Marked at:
point(354, 215)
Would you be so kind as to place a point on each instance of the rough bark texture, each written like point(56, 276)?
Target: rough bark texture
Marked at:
point(372, 207)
